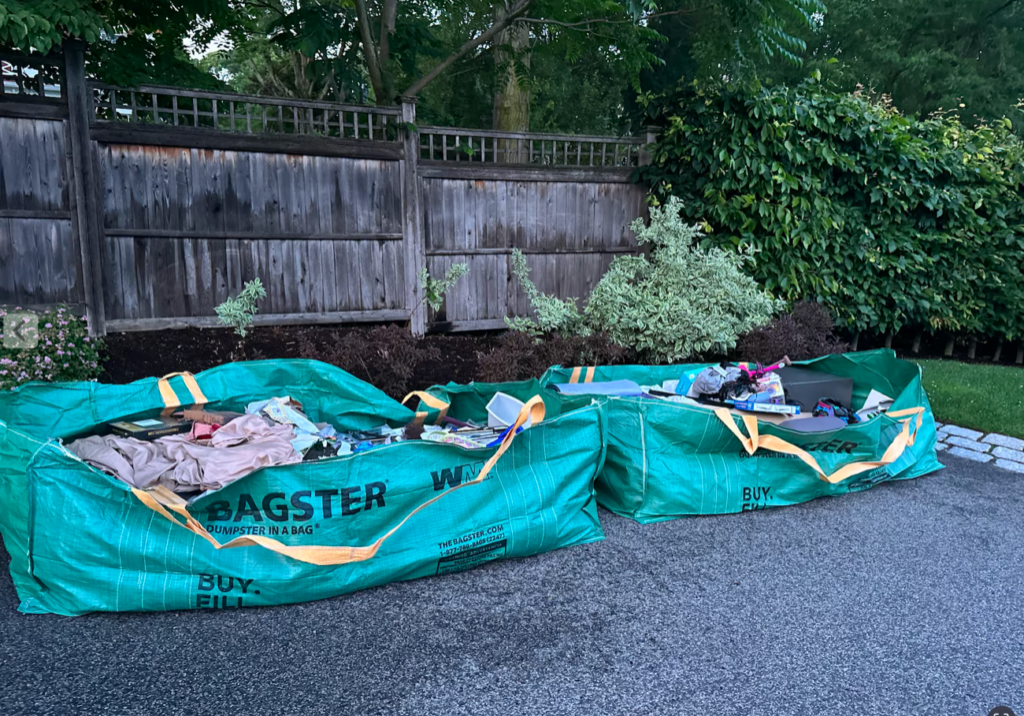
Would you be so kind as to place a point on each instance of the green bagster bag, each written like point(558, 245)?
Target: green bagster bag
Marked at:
point(469, 402)
point(82, 541)
point(667, 460)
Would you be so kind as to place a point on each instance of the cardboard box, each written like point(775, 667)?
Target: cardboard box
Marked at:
point(150, 428)
point(806, 387)
point(210, 417)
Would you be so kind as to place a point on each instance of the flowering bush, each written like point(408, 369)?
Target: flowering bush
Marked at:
point(64, 351)
point(680, 302)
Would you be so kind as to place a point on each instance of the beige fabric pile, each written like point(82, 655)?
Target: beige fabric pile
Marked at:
point(183, 464)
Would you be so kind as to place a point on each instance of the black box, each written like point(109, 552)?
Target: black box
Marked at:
point(806, 387)
point(150, 428)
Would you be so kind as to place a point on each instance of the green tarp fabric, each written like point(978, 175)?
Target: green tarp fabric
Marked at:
point(470, 401)
point(81, 541)
point(667, 460)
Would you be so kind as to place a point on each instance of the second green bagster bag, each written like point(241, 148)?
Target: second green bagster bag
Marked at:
point(667, 460)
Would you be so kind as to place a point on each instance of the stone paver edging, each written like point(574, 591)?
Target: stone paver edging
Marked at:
point(1007, 452)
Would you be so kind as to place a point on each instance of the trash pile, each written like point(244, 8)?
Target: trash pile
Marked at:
point(199, 449)
point(705, 439)
point(294, 476)
point(782, 393)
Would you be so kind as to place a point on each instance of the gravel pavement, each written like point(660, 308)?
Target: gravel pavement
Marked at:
point(905, 599)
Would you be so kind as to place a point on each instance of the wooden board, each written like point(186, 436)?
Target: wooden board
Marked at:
point(38, 265)
point(570, 232)
point(186, 228)
point(40, 258)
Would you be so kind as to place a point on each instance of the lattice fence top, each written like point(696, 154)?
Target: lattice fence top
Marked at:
point(30, 78)
point(493, 147)
point(242, 113)
point(40, 79)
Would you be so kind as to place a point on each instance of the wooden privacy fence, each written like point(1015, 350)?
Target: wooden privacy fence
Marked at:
point(149, 206)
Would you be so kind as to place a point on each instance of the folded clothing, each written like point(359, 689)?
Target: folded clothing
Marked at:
point(182, 464)
point(710, 381)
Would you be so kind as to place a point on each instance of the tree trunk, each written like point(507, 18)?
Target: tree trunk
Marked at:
point(516, 10)
point(370, 56)
point(917, 342)
point(998, 355)
point(888, 341)
point(855, 342)
point(511, 94)
point(950, 345)
point(387, 29)
point(972, 349)
point(1020, 354)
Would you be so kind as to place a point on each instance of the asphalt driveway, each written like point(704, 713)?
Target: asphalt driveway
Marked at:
point(906, 599)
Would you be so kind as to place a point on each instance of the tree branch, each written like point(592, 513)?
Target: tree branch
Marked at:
point(268, 6)
point(1000, 9)
point(328, 84)
point(370, 52)
point(513, 14)
point(608, 21)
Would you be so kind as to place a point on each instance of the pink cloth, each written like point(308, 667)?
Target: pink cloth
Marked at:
point(182, 464)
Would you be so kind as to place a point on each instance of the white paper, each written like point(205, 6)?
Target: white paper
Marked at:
point(876, 403)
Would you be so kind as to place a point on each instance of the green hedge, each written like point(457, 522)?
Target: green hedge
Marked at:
point(887, 220)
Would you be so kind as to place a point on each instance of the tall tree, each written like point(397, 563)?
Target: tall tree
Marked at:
point(927, 55)
point(290, 48)
point(132, 41)
point(512, 62)
point(329, 48)
point(405, 46)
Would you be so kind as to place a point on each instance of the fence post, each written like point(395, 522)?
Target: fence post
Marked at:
point(651, 136)
point(88, 215)
point(412, 220)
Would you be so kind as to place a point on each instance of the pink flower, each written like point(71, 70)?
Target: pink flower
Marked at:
point(49, 325)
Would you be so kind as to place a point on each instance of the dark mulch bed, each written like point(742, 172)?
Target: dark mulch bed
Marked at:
point(389, 358)
point(380, 353)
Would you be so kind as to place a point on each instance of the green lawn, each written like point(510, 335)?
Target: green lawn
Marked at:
point(983, 397)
